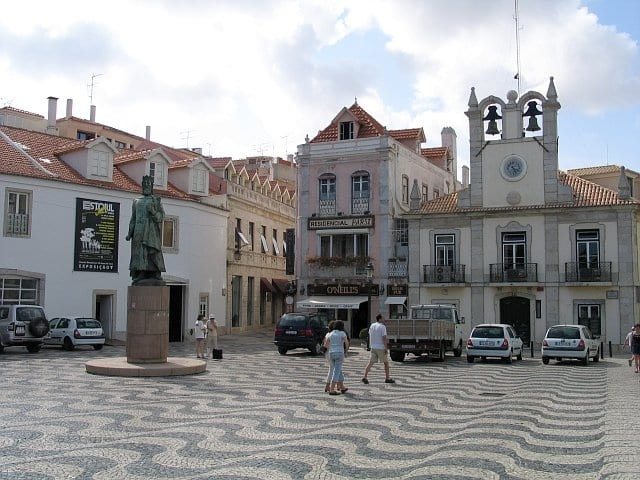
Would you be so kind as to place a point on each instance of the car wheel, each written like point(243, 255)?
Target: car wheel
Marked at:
point(508, 360)
point(470, 359)
point(33, 347)
point(545, 360)
point(282, 350)
point(484, 359)
point(97, 346)
point(38, 327)
point(458, 351)
point(315, 350)
point(585, 360)
point(67, 344)
point(397, 356)
point(1, 349)
point(519, 357)
point(597, 357)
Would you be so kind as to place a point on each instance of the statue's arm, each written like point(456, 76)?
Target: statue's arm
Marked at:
point(132, 222)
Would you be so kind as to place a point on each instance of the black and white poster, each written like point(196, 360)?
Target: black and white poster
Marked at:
point(96, 236)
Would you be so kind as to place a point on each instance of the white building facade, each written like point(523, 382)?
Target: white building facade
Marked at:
point(527, 244)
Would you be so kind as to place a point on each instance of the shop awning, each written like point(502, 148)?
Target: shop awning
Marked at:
point(395, 300)
point(331, 302)
point(265, 285)
point(281, 284)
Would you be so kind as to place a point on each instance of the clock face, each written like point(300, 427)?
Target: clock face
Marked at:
point(513, 167)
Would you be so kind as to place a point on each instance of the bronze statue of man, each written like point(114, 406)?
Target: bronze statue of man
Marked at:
point(145, 233)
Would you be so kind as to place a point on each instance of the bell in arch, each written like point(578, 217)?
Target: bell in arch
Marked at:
point(492, 116)
point(532, 112)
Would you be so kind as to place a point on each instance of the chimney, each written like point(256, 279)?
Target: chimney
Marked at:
point(450, 140)
point(197, 150)
point(148, 133)
point(92, 114)
point(69, 108)
point(465, 176)
point(51, 116)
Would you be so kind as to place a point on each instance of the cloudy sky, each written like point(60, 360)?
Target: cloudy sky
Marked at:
point(249, 77)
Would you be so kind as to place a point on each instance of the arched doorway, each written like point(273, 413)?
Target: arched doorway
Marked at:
point(515, 311)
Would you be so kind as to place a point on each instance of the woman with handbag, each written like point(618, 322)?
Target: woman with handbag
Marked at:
point(336, 344)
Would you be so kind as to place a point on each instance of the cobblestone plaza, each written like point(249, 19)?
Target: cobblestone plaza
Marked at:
point(259, 415)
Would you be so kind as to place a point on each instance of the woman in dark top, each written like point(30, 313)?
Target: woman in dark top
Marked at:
point(635, 346)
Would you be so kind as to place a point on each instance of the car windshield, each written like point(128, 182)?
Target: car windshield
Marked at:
point(571, 333)
point(488, 332)
point(27, 314)
point(293, 321)
point(87, 323)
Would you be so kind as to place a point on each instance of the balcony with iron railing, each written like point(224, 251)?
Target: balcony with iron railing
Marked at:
point(443, 273)
point(17, 223)
point(592, 272)
point(399, 268)
point(327, 207)
point(523, 272)
point(360, 206)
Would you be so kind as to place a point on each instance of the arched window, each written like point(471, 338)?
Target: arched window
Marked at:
point(327, 194)
point(360, 192)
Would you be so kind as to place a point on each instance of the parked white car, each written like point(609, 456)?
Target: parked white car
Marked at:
point(570, 341)
point(71, 331)
point(494, 340)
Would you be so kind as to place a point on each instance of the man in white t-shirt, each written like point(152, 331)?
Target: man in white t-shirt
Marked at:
point(199, 332)
point(627, 342)
point(378, 344)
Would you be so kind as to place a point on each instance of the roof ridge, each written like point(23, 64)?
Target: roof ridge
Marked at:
point(21, 151)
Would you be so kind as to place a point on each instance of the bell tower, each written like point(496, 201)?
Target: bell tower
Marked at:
point(514, 150)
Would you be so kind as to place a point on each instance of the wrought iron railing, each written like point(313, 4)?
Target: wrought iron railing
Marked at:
point(444, 273)
point(327, 207)
point(18, 223)
point(593, 272)
point(523, 272)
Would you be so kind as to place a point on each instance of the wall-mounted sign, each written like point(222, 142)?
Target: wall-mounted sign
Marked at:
point(612, 294)
point(397, 290)
point(340, 222)
point(290, 258)
point(343, 289)
point(96, 236)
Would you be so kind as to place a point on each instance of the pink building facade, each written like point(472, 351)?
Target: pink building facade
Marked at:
point(355, 180)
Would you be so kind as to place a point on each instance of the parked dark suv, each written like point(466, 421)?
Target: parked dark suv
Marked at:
point(301, 330)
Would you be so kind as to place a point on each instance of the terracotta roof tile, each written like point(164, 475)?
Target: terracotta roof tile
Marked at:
point(42, 148)
point(598, 170)
point(369, 126)
point(17, 110)
point(434, 152)
point(407, 134)
point(585, 194)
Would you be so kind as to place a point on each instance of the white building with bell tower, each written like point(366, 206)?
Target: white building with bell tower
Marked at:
point(527, 244)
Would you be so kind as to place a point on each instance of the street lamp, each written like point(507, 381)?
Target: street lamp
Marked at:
point(369, 270)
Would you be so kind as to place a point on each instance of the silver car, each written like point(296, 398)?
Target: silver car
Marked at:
point(570, 341)
point(71, 331)
point(23, 325)
point(494, 340)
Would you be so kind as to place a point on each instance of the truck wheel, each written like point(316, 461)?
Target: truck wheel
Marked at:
point(458, 350)
point(469, 359)
point(396, 356)
point(441, 352)
point(1, 349)
point(33, 347)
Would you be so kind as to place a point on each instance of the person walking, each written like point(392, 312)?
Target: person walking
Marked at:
point(212, 335)
point(379, 349)
point(635, 346)
point(199, 332)
point(336, 343)
point(331, 327)
point(627, 343)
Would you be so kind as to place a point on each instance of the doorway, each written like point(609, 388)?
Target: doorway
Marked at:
point(175, 312)
point(515, 311)
point(104, 313)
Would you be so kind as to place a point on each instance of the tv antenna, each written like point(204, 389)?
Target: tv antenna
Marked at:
point(186, 135)
point(516, 18)
point(92, 84)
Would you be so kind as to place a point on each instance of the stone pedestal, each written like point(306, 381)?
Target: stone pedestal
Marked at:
point(147, 324)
